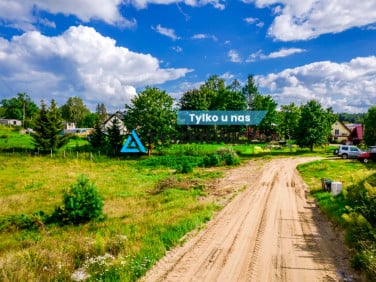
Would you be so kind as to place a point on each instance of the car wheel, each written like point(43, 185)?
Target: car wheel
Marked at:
point(344, 156)
point(365, 161)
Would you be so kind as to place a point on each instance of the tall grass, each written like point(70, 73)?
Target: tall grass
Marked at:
point(139, 228)
point(354, 209)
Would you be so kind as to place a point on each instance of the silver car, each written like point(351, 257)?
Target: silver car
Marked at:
point(348, 151)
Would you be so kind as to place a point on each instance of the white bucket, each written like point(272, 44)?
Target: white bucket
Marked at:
point(336, 188)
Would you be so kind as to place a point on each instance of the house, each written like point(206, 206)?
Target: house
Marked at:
point(340, 132)
point(109, 122)
point(356, 135)
point(13, 122)
point(69, 125)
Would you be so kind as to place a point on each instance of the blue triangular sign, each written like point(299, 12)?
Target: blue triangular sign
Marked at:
point(133, 144)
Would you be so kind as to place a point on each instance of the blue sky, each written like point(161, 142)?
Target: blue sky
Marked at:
point(108, 51)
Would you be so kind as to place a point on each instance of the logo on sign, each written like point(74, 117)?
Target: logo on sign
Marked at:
point(133, 144)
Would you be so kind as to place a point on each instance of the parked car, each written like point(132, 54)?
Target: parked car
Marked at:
point(370, 154)
point(348, 151)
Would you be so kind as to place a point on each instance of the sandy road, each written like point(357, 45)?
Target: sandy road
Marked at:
point(269, 232)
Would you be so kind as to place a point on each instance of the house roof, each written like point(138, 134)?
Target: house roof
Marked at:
point(118, 115)
point(357, 132)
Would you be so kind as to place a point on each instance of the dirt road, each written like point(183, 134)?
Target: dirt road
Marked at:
point(271, 231)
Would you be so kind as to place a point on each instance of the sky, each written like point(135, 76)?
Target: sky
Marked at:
point(108, 51)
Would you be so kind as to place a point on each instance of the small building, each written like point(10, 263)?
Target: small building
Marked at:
point(109, 122)
point(356, 135)
point(69, 125)
point(78, 131)
point(11, 122)
point(340, 132)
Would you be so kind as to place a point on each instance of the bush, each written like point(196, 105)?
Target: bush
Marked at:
point(185, 167)
point(81, 204)
point(231, 159)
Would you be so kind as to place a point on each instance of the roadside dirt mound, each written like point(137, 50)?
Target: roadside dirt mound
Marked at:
point(270, 231)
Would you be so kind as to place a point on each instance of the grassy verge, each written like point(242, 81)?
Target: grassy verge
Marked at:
point(354, 210)
point(146, 215)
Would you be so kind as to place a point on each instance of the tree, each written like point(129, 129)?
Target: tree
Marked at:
point(48, 128)
point(250, 92)
point(266, 103)
point(194, 100)
point(370, 127)
point(21, 108)
point(288, 120)
point(115, 139)
point(314, 125)
point(74, 110)
point(101, 112)
point(97, 137)
point(152, 115)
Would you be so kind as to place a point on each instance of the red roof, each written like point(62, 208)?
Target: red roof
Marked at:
point(357, 132)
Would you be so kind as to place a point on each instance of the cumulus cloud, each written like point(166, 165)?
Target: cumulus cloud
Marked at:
point(22, 14)
point(284, 52)
point(346, 87)
point(141, 4)
point(80, 62)
point(234, 56)
point(303, 20)
point(169, 32)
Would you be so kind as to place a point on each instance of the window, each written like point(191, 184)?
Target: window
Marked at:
point(336, 132)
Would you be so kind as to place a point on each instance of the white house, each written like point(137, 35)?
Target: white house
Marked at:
point(13, 122)
point(109, 122)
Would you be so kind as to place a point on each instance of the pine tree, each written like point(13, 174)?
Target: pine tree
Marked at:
point(97, 137)
point(48, 128)
point(115, 139)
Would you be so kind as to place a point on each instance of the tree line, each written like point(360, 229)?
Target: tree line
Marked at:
point(152, 113)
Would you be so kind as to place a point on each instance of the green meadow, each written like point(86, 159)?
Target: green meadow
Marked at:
point(149, 205)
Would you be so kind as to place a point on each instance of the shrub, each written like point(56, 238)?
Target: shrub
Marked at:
point(185, 167)
point(81, 204)
point(231, 159)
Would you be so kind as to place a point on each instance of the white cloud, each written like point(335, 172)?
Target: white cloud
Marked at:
point(141, 4)
point(303, 20)
point(169, 32)
point(255, 21)
point(284, 52)
point(346, 87)
point(250, 20)
point(204, 36)
point(79, 62)
point(177, 49)
point(234, 56)
point(22, 14)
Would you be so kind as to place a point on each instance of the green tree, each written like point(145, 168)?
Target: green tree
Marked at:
point(194, 100)
point(21, 108)
point(97, 137)
point(151, 113)
point(101, 112)
point(370, 127)
point(250, 92)
point(288, 121)
point(81, 204)
point(314, 125)
point(114, 137)
point(269, 122)
point(48, 128)
point(74, 110)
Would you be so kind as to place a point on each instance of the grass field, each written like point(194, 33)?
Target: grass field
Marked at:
point(354, 210)
point(148, 206)
point(142, 221)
